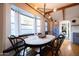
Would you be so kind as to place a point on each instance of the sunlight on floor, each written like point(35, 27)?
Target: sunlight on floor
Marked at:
point(69, 47)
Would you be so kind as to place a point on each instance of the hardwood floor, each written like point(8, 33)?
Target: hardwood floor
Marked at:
point(68, 49)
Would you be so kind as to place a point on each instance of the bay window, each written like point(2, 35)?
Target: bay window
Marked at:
point(24, 23)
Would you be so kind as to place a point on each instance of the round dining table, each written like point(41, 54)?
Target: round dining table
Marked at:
point(36, 41)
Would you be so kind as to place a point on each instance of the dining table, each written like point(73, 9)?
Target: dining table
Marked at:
point(36, 41)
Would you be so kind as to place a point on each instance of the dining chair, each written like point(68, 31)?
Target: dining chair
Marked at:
point(19, 46)
point(56, 44)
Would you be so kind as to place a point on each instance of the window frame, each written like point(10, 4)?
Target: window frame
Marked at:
point(35, 18)
point(46, 26)
point(25, 24)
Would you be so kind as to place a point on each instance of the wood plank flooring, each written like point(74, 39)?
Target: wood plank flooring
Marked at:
point(68, 49)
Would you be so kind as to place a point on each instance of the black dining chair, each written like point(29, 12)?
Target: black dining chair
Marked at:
point(56, 44)
point(19, 46)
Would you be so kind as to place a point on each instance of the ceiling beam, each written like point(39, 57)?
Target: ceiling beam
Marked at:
point(63, 14)
point(71, 5)
point(41, 10)
point(44, 9)
point(36, 10)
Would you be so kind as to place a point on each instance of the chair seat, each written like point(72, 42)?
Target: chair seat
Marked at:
point(31, 53)
point(45, 51)
point(19, 44)
point(27, 53)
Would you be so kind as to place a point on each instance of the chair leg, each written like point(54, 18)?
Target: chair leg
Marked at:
point(59, 50)
point(24, 51)
point(40, 52)
point(52, 53)
point(56, 53)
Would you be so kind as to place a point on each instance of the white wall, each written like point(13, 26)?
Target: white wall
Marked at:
point(4, 26)
point(58, 15)
point(75, 29)
point(71, 14)
point(1, 27)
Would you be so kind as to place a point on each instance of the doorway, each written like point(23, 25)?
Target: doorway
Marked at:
point(65, 28)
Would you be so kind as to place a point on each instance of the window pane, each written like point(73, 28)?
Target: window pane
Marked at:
point(12, 16)
point(38, 22)
point(27, 25)
point(46, 26)
point(12, 22)
point(38, 25)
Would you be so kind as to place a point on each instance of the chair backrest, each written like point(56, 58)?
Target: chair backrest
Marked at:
point(58, 41)
point(61, 36)
point(22, 36)
point(17, 43)
point(13, 40)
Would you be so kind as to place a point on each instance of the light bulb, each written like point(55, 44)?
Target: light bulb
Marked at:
point(35, 7)
point(54, 9)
